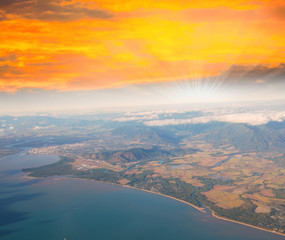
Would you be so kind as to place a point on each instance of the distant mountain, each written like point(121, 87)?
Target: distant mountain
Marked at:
point(269, 137)
point(147, 134)
point(244, 137)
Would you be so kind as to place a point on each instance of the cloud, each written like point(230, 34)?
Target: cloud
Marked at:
point(177, 5)
point(255, 73)
point(3, 16)
point(146, 115)
point(252, 118)
point(6, 70)
point(42, 127)
point(9, 68)
point(136, 118)
point(260, 81)
point(138, 42)
point(49, 10)
point(279, 11)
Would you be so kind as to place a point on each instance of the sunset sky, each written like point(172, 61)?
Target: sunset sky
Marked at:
point(61, 54)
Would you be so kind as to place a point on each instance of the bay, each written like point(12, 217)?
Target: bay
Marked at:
point(58, 208)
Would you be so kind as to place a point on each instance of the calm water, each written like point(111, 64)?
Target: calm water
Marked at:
point(78, 209)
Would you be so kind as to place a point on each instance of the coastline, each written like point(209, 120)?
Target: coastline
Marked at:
point(126, 186)
point(246, 224)
point(203, 210)
point(190, 204)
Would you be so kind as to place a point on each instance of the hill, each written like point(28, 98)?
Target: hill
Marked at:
point(131, 155)
point(270, 137)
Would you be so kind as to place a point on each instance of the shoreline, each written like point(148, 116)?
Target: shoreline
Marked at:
point(161, 194)
point(190, 204)
point(246, 224)
point(203, 209)
point(126, 186)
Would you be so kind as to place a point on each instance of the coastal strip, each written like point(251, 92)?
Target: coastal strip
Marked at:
point(190, 204)
point(245, 224)
point(203, 210)
point(212, 212)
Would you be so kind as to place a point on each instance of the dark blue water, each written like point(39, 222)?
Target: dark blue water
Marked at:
point(53, 208)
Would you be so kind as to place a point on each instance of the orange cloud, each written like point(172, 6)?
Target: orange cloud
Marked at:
point(87, 45)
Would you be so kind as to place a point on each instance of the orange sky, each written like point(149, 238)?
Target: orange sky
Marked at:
point(82, 44)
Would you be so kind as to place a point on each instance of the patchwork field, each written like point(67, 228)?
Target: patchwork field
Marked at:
point(246, 187)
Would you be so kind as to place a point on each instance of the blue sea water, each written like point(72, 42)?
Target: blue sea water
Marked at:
point(58, 208)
